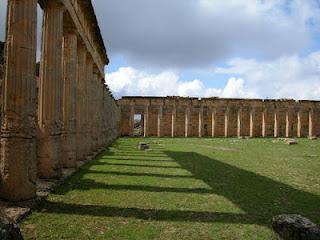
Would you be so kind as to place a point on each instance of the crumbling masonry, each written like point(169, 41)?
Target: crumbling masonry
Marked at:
point(217, 117)
point(65, 115)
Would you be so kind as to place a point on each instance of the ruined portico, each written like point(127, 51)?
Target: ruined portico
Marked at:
point(219, 117)
point(65, 115)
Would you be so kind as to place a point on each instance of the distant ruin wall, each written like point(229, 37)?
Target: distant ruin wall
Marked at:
point(218, 117)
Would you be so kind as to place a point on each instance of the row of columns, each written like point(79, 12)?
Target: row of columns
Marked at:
point(254, 119)
point(75, 110)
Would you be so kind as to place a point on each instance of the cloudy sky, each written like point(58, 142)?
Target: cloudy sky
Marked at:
point(204, 48)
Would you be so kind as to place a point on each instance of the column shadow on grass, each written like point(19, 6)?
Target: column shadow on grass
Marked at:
point(259, 197)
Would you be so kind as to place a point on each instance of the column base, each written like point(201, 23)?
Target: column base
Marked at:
point(18, 169)
point(69, 151)
point(50, 157)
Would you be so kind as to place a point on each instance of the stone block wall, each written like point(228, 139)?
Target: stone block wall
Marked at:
point(218, 117)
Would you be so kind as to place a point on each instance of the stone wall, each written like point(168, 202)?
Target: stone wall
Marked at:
point(218, 117)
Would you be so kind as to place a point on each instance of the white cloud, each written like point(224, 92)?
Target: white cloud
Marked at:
point(286, 77)
point(132, 82)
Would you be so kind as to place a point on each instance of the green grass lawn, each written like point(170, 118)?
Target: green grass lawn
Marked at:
point(183, 189)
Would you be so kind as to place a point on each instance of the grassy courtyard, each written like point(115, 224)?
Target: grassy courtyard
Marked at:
point(183, 189)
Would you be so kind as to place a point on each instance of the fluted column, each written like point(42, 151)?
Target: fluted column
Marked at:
point(18, 144)
point(276, 123)
point(160, 115)
point(201, 124)
point(252, 123)
point(299, 126)
point(311, 125)
point(213, 122)
point(69, 98)
point(88, 106)
point(226, 122)
point(50, 93)
point(146, 121)
point(240, 122)
point(187, 122)
point(264, 123)
point(173, 121)
point(131, 120)
point(288, 123)
point(93, 109)
point(80, 113)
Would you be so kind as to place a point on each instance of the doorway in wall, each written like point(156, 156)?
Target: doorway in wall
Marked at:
point(138, 125)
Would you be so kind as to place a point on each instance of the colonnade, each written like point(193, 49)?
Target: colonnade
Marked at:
point(221, 117)
point(66, 114)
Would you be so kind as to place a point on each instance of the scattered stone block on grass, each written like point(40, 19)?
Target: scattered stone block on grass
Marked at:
point(143, 146)
point(295, 227)
point(291, 141)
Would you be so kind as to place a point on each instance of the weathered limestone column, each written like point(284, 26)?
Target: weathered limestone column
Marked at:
point(160, 115)
point(131, 119)
point(93, 109)
point(299, 125)
point(276, 123)
point(264, 123)
point(18, 143)
point(69, 98)
point(87, 105)
point(146, 121)
point(80, 114)
point(50, 93)
point(173, 121)
point(187, 122)
point(213, 122)
point(240, 122)
point(311, 125)
point(288, 123)
point(252, 122)
point(201, 125)
point(226, 122)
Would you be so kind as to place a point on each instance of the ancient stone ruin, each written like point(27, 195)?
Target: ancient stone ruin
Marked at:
point(58, 113)
point(218, 117)
point(68, 113)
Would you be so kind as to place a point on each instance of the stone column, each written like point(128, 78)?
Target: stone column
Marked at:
point(226, 121)
point(288, 124)
point(276, 123)
point(146, 121)
point(18, 143)
point(131, 120)
point(240, 122)
point(252, 122)
point(213, 122)
point(80, 114)
point(187, 122)
point(264, 123)
point(311, 126)
point(93, 110)
point(50, 93)
point(299, 133)
point(69, 98)
point(88, 102)
point(173, 121)
point(201, 125)
point(160, 114)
